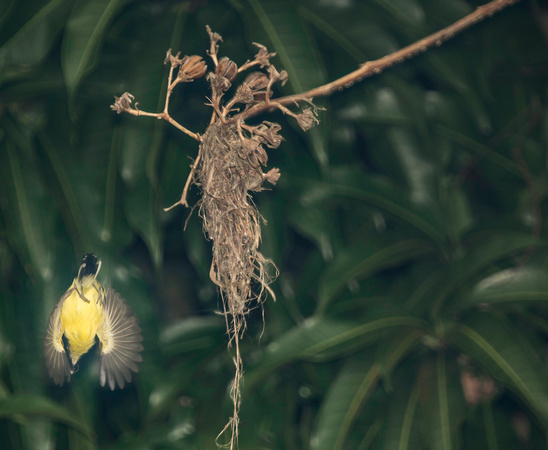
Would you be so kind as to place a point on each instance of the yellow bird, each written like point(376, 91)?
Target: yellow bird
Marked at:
point(87, 310)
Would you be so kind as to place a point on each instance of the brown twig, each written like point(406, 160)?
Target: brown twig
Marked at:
point(214, 47)
point(190, 68)
point(182, 201)
point(165, 116)
point(376, 67)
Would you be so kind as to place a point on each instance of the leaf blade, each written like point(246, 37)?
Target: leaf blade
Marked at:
point(499, 347)
point(323, 334)
point(85, 31)
point(33, 405)
point(342, 403)
point(363, 261)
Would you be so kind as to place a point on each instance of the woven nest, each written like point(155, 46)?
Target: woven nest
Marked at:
point(226, 175)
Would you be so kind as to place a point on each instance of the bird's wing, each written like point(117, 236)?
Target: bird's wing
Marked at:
point(56, 357)
point(121, 339)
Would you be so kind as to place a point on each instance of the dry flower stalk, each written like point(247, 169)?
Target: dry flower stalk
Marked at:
point(228, 168)
point(232, 154)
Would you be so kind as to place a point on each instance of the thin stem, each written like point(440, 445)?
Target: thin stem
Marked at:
point(247, 65)
point(165, 116)
point(371, 68)
point(182, 201)
point(177, 125)
point(213, 47)
point(169, 88)
point(236, 387)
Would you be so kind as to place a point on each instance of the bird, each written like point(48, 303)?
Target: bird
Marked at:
point(85, 311)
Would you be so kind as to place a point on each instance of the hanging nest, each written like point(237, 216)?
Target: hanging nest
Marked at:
point(227, 170)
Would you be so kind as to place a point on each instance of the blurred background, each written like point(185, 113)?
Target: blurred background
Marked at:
point(407, 227)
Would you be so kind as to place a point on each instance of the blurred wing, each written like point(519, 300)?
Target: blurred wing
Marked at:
point(56, 357)
point(121, 339)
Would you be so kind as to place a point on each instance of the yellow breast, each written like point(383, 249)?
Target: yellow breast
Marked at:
point(80, 319)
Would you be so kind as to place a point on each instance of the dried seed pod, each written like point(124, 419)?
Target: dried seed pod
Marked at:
point(226, 69)
point(122, 103)
point(253, 160)
point(174, 61)
point(260, 155)
point(272, 176)
point(192, 67)
point(254, 151)
point(276, 76)
point(218, 84)
point(267, 132)
point(262, 55)
point(261, 96)
point(249, 146)
point(243, 95)
point(307, 119)
point(256, 81)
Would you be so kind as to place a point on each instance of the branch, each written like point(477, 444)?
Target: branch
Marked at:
point(190, 68)
point(371, 68)
point(123, 104)
point(182, 201)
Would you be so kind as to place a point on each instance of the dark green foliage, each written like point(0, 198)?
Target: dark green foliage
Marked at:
point(408, 228)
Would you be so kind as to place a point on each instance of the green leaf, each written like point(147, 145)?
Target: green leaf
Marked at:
point(516, 286)
point(418, 170)
point(406, 13)
point(6, 8)
point(402, 428)
point(360, 39)
point(316, 224)
point(480, 149)
point(501, 349)
point(318, 137)
point(73, 211)
point(456, 206)
point(85, 32)
point(141, 141)
point(381, 106)
point(441, 402)
point(143, 214)
point(379, 192)
point(279, 21)
point(30, 216)
point(363, 260)
point(191, 334)
point(135, 140)
point(32, 40)
point(15, 406)
point(317, 336)
point(489, 428)
point(344, 400)
point(394, 350)
point(487, 250)
point(97, 189)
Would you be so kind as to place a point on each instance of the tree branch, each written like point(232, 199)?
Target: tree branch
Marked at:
point(371, 68)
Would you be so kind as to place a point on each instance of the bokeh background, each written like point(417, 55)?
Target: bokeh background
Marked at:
point(408, 228)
